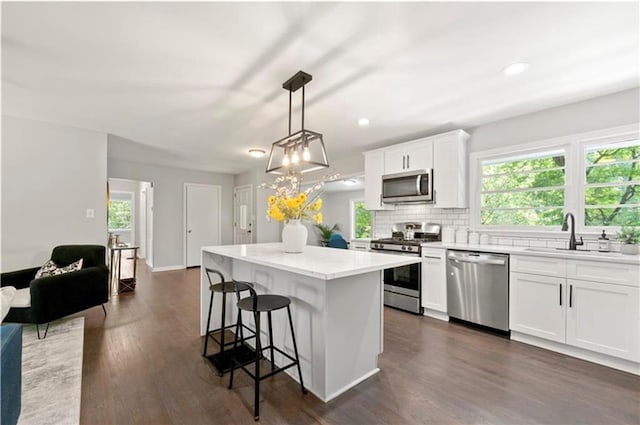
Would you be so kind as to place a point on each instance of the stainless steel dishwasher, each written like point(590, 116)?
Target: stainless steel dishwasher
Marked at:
point(478, 288)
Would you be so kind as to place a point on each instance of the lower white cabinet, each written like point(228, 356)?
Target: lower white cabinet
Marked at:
point(537, 306)
point(604, 318)
point(434, 281)
point(591, 314)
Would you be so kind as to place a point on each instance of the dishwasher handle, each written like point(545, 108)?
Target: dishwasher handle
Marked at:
point(498, 260)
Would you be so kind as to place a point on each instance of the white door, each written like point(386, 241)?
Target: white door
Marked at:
point(537, 305)
point(605, 318)
point(420, 156)
point(202, 220)
point(373, 171)
point(143, 222)
point(149, 225)
point(243, 214)
point(395, 160)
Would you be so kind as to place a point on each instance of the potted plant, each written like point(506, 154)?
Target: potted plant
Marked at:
point(326, 232)
point(629, 236)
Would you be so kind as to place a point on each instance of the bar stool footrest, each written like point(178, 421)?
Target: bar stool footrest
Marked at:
point(271, 373)
point(212, 334)
point(240, 355)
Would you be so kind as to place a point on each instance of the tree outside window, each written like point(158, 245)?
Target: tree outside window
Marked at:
point(361, 220)
point(119, 214)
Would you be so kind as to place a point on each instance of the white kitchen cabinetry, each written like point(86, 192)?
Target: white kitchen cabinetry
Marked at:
point(373, 171)
point(450, 170)
point(598, 313)
point(604, 318)
point(536, 305)
point(434, 283)
point(411, 156)
point(445, 153)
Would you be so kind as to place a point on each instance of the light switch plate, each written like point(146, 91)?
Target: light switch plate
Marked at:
point(91, 213)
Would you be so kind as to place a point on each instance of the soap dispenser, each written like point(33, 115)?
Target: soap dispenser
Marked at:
point(603, 242)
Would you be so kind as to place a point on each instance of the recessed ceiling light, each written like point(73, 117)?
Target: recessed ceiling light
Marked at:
point(257, 153)
point(515, 68)
point(363, 122)
point(349, 182)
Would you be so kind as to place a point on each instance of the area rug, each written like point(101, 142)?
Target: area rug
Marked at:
point(52, 374)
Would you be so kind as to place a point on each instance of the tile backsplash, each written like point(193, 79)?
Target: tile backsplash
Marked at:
point(459, 218)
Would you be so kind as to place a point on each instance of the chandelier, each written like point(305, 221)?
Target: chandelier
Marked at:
point(302, 151)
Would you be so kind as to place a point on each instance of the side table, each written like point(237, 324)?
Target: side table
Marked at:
point(115, 276)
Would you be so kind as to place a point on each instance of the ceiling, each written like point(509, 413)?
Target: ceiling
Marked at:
point(202, 82)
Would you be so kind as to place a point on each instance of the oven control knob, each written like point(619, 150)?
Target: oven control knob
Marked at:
point(409, 248)
point(404, 248)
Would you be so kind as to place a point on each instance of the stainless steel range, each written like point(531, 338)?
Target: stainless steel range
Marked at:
point(403, 285)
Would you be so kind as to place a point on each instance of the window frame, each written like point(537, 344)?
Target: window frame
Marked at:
point(352, 217)
point(574, 147)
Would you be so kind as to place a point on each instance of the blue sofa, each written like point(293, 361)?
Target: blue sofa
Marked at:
point(11, 372)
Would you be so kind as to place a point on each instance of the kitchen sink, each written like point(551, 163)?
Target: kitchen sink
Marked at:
point(577, 251)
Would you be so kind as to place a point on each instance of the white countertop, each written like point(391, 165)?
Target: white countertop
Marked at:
point(319, 262)
point(607, 257)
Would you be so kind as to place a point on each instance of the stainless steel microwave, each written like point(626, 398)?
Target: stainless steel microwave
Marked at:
point(406, 187)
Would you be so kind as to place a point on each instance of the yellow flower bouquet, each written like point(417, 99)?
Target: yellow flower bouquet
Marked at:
point(289, 203)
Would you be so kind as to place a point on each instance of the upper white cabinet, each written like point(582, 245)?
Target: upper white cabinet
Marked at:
point(411, 156)
point(450, 170)
point(373, 171)
point(445, 153)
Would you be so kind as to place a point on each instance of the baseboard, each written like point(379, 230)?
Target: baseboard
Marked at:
point(436, 314)
point(167, 268)
point(591, 356)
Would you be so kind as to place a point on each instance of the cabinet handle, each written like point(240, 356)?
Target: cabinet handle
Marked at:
point(561, 294)
point(570, 296)
point(404, 159)
point(408, 159)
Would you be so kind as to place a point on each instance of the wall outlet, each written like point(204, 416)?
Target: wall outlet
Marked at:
point(91, 213)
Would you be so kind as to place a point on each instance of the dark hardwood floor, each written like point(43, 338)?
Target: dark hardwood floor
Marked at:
point(143, 365)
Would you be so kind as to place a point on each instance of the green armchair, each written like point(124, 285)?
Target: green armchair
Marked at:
point(58, 296)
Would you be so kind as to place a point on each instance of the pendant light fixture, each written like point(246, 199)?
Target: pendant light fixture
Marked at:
point(302, 151)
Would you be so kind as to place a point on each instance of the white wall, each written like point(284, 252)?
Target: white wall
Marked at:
point(337, 209)
point(50, 175)
point(168, 204)
point(593, 114)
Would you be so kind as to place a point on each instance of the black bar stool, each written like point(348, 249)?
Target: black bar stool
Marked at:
point(259, 304)
point(222, 360)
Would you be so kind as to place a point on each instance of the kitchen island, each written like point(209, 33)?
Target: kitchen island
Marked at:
point(336, 304)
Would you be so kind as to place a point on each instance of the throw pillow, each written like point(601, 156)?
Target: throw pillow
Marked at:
point(6, 295)
point(51, 269)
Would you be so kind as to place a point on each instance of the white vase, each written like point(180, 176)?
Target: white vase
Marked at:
point(630, 249)
point(294, 236)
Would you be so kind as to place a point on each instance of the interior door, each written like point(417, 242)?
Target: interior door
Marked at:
point(202, 224)
point(243, 214)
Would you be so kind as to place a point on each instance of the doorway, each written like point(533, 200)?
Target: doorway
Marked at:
point(243, 214)
point(202, 209)
point(130, 214)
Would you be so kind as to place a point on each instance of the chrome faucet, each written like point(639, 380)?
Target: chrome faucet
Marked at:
point(572, 239)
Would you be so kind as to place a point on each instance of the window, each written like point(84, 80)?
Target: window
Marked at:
point(120, 210)
point(611, 193)
point(360, 220)
point(523, 191)
point(595, 175)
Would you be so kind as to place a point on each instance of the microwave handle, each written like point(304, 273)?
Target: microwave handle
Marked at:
point(418, 185)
